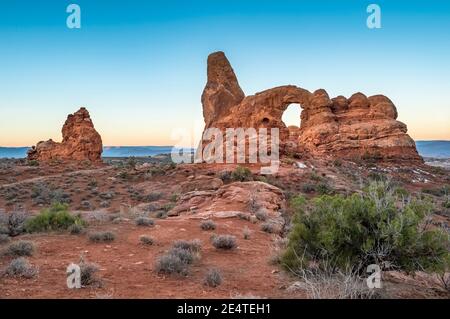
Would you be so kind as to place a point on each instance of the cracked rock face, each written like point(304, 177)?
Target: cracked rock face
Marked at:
point(80, 141)
point(342, 127)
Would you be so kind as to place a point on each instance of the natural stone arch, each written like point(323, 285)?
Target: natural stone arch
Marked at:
point(329, 126)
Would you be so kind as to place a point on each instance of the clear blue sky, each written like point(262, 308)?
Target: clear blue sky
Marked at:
point(140, 66)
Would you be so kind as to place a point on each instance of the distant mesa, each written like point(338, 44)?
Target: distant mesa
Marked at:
point(80, 141)
point(340, 127)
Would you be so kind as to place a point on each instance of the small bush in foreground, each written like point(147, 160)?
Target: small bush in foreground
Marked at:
point(372, 228)
point(185, 255)
point(13, 223)
point(99, 237)
point(171, 264)
point(208, 225)
point(146, 240)
point(57, 217)
point(20, 267)
point(179, 257)
point(20, 248)
point(88, 274)
point(193, 245)
point(213, 278)
point(328, 284)
point(144, 221)
point(224, 242)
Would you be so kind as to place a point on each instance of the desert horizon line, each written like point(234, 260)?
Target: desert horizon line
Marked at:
point(165, 145)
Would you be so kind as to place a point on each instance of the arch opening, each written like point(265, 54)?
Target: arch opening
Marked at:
point(291, 116)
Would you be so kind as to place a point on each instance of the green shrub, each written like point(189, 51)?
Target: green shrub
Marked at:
point(57, 217)
point(241, 174)
point(296, 203)
point(360, 230)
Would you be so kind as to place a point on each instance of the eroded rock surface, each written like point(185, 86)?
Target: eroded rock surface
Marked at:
point(231, 200)
point(341, 127)
point(80, 141)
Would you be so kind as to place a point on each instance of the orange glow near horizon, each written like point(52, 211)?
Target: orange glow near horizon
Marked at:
point(18, 137)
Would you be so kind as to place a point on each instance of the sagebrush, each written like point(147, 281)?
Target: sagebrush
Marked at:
point(363, 229)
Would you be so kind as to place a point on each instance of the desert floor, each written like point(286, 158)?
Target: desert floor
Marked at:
point(111, 195)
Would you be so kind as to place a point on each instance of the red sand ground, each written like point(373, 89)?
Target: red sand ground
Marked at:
point(127, 266)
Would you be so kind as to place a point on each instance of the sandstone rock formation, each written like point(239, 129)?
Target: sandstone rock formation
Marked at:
point(355, 127)
point(80, 141)
point(231, 200)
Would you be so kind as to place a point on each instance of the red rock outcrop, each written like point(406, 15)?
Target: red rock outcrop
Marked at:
point(355, 127)
point(80, 141)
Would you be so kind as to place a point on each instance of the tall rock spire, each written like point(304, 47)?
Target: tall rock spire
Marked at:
point(222, 90)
